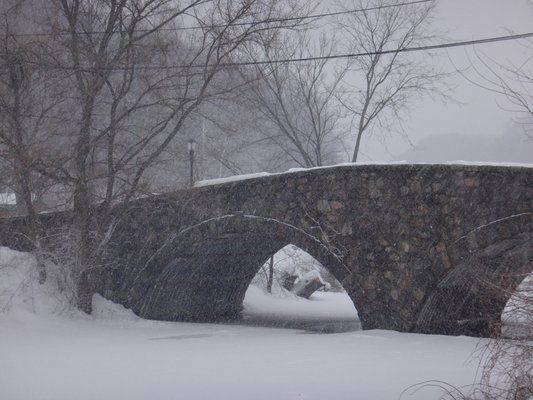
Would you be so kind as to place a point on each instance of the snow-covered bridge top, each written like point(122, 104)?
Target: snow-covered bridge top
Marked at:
point(241, 177)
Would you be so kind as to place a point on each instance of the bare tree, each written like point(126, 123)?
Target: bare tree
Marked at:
point(513, 82)
point(384, 80)
point(28, 95)
point(506, 367)
point(14, 88)
point(295, 104)
point(134, 78)
point(505, 362)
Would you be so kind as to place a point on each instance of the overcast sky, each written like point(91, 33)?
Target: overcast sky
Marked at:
point(477, 128)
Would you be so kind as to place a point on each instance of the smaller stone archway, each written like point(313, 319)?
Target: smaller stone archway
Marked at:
point(202, 272)
point(492, 261)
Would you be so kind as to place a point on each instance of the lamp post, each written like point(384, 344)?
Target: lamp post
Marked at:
point(191, 146)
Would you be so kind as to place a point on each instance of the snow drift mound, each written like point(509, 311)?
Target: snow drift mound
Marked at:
point(20, 289)
point(104, 309)
point(21, 293)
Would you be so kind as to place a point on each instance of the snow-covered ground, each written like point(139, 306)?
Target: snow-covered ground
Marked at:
point(64, 359)
point(326, 312)
point(50, 353)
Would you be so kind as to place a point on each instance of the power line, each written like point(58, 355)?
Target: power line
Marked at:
point(373, 53)
point(320, 58)
point(265, 21)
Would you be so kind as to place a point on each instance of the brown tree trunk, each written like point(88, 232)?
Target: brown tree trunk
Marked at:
point(270, 275)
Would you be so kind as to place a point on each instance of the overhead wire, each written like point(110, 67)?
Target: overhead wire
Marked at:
point(265, 21)
point(311, 58)
point(291, 60)
point(384, 52)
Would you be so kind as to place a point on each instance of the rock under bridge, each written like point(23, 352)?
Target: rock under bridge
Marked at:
point(418, 248)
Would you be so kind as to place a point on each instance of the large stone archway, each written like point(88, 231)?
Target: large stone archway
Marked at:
point(203, 271)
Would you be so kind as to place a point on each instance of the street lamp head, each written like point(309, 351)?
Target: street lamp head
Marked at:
point(191, 146)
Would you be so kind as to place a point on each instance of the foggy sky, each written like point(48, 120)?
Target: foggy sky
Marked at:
point(476, 127)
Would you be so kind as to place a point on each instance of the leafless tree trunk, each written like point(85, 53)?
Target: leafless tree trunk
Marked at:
point(270, 279)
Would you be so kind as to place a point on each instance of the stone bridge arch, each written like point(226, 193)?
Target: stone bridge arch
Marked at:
point(489, 263)
point(202, 272)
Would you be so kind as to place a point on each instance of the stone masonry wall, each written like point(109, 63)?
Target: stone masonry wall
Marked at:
point(399, 229)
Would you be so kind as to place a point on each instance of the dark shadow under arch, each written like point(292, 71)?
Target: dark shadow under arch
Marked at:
point(202, 272)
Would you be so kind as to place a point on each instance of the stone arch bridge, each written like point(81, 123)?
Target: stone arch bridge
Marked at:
point(418, 248)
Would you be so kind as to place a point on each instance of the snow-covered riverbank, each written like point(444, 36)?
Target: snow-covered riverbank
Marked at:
point(49, 358)
point(50, 353)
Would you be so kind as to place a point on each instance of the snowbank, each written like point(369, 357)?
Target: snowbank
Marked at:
point(21, 292)
point(104, 309)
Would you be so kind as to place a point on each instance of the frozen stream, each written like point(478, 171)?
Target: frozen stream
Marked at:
point(324, 312)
